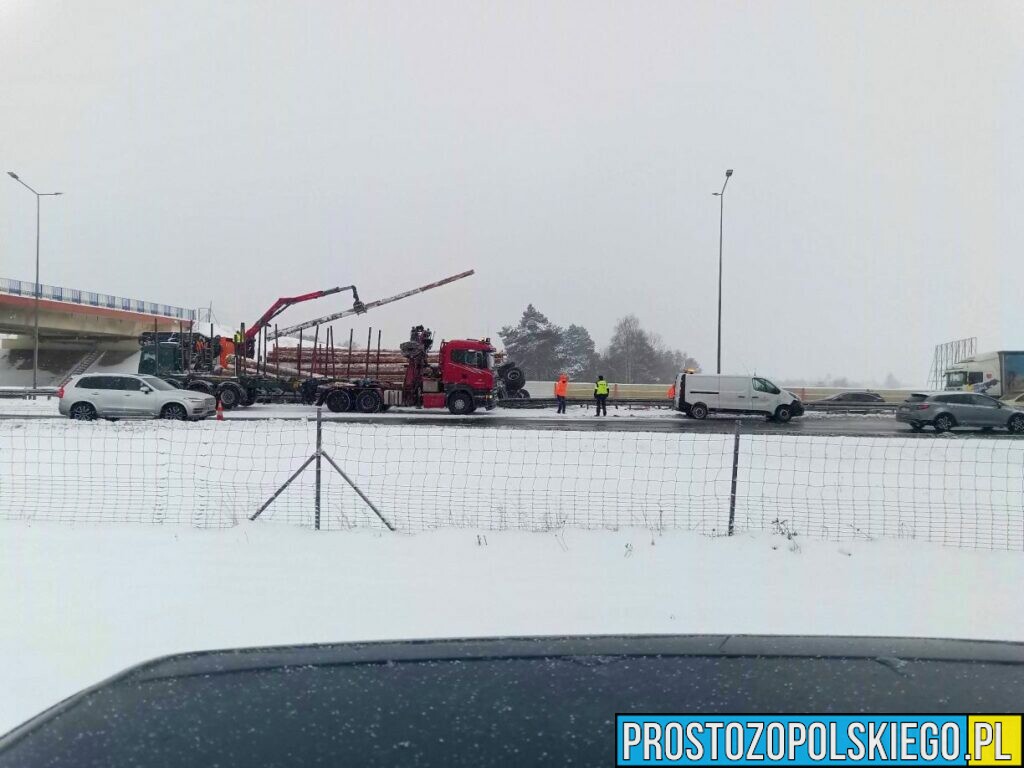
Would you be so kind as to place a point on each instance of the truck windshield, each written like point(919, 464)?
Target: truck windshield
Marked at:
point(956, 379)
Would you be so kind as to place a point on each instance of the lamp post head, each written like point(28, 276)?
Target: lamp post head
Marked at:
point(728, 173)
point(12, 174)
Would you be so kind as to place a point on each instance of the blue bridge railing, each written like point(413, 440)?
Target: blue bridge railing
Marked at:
point(90, 299)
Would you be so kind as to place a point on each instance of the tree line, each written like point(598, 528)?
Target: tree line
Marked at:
point(633, 356)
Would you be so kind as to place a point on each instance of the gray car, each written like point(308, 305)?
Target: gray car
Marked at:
point(128, 396)
point(945, 410)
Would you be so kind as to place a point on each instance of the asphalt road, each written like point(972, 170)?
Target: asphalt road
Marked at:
point(622, 420)
point(871, 426)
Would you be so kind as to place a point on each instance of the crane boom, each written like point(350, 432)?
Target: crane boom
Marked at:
point(284, 302)
point(359, 309)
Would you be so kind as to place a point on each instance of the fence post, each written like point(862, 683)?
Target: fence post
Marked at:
point(735, 470)
point(319, 453)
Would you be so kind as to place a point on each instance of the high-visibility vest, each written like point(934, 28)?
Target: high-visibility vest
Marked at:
point(601, 388)
point(561, 387)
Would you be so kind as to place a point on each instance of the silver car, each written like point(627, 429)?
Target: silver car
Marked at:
point(127, 396)
point(946, 410)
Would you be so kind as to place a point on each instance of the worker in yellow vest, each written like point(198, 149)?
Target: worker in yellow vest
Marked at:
point(601, 396)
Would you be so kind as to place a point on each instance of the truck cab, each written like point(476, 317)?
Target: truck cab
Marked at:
point(997, 374)
point(467, 378)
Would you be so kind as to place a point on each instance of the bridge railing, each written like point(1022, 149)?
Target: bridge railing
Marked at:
point(105, 300)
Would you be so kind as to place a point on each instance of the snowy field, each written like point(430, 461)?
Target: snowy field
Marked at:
point(82, 602)
point(959, 492)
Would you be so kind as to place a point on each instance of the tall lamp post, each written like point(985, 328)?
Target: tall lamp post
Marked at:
point(721, 217)
point(38, 291)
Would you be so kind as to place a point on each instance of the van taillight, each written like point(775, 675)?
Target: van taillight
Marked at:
point(60, 392)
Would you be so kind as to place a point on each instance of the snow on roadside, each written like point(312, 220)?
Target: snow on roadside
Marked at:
point(83, 602)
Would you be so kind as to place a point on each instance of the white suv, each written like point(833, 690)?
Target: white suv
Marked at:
point(121, 396)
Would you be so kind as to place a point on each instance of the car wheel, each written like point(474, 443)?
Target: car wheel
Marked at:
point(943, 422)
point(174, 412)
point(82, 412)
point(783, 413)
point(460, 403)
point(339, 401)
point(917, 426)
point(1016, 424)
point(699, 411)
point(368, 401)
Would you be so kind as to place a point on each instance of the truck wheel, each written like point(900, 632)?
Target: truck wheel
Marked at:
point(200, 386)
point(249, 397)
point(783, 413)
point(514, 377)
point(230, 395)
point(698, 411)
point(368, 401)
point(521, 394)
point(461, 403)
point(339, 401)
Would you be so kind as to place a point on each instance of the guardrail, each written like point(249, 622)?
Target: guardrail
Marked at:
point(105, 300)
point(664, 402)
point(27, 392)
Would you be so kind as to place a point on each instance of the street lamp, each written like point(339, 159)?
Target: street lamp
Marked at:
point(35, 352)
point(721, 216)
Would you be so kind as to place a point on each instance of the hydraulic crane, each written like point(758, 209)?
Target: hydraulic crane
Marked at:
point(188, 359)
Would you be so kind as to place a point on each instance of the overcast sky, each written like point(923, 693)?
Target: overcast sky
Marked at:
point(236, 151)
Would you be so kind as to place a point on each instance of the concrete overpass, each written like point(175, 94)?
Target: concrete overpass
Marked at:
point(70, 316)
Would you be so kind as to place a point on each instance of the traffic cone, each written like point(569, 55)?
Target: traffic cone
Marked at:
point(220, 410)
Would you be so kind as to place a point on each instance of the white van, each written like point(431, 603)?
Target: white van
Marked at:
point(698, 394)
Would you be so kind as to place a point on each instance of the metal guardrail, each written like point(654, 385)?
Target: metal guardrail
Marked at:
point(630, 403)
point(27, 392)
point(104, 300)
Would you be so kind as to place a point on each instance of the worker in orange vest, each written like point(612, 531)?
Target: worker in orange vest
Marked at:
point(561, 390)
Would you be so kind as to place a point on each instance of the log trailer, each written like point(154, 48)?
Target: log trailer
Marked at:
point(462, 380)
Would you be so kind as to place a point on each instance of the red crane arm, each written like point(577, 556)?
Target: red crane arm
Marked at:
point(284, 302)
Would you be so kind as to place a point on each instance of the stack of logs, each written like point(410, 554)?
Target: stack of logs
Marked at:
point(339, 363)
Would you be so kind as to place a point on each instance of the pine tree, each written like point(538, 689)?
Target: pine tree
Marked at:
point(533, 344)
point(577, 354)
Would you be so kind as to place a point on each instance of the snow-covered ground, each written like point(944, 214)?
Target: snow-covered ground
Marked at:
point(961, 491)
point(82, 602)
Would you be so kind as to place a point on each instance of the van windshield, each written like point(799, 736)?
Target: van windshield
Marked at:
point(763, 385)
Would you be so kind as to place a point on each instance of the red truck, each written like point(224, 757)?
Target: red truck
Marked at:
point(462, 380)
